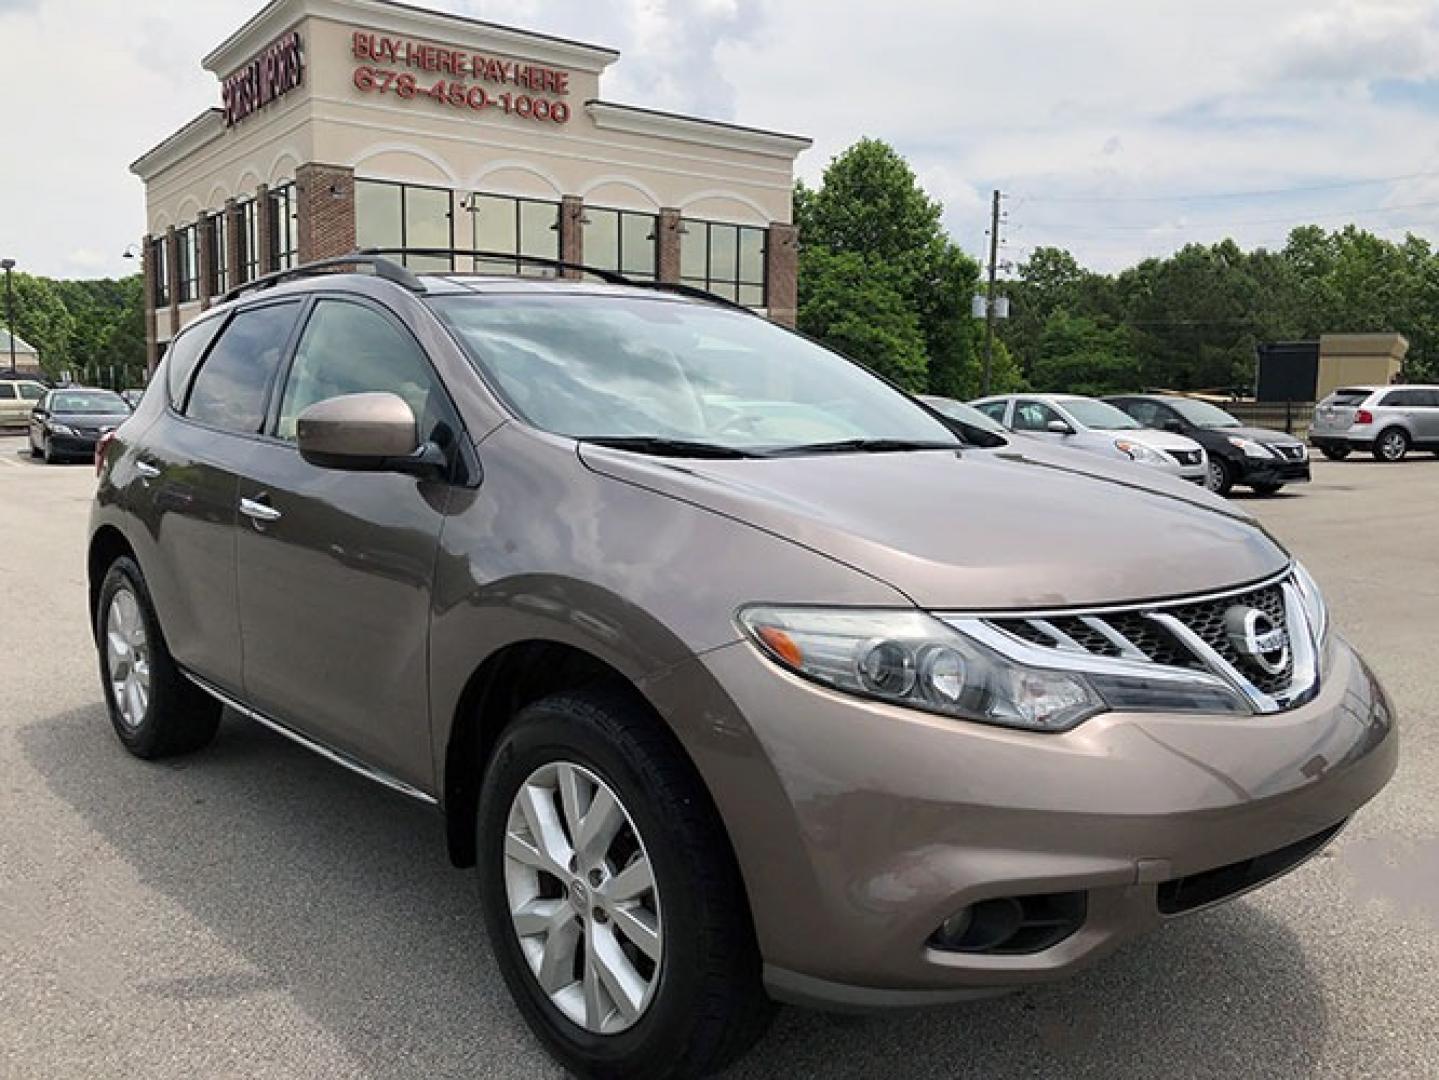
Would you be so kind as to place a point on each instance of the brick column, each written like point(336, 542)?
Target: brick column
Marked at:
point(172, 267)
point(202, 253)
point(234, 222)
point(147, 298)
point(264, 230)
point(781, 258)
point(572, 232)
point(325, 211)
point(668, 257)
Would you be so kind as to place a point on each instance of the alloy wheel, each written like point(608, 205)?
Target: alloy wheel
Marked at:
point(1393, 445)
point(127, 657)
point(1214, 481)
point(582, 897)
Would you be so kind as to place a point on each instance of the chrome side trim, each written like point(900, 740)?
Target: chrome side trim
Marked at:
point(340, 758)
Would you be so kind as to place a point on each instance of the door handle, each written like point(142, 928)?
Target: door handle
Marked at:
point(258, 510)
point(145, 469)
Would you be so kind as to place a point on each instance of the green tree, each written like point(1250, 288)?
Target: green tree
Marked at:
point(1078, 355)
point(851, 306)
point(42, 319)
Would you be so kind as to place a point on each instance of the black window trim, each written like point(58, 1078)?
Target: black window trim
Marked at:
point(708, 281)
point(519, 201)
point(304, 302)
point(404, 187)
point(653, 274)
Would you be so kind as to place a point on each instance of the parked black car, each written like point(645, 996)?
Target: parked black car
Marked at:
point(1253, 457)
point(68, 423)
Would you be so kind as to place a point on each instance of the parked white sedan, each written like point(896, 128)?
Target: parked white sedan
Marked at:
point(1086, 423)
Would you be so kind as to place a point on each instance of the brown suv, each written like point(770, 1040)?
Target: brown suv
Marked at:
point(736, 671)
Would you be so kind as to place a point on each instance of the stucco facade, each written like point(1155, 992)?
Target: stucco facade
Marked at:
point(338, 93)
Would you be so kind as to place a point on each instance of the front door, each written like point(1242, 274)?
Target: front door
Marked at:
point(335, 568)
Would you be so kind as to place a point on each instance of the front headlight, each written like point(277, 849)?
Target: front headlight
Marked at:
point(61, 429)
point(1250, 447)
point(913, 659)
point(1314, 606)
point(1145, 455)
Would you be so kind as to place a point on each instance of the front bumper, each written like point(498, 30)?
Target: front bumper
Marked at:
point(74, 445)
point(866, 826)
point(1257, 471)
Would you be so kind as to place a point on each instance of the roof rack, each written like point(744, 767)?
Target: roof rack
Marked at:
point(611, 277)
point(385, 268)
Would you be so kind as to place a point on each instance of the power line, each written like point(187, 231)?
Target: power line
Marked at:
point(1302, 220)
point(1256, 194)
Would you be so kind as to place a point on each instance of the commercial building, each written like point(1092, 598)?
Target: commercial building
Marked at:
point(1311, 370)
point(346, 123)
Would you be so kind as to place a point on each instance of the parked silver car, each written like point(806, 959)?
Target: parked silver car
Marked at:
point(1096, 426)
point(1388, 421)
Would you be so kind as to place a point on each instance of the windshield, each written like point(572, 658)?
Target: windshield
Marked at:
point(1098, 414)
point(98, 402)
point(965, 414)
point(1201, 413)
point(640, 368)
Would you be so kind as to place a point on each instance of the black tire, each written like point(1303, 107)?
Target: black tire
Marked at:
point(1267, 489)
point(1335, 453)
point(1221, 476)
point(1391, 445)
point(48, 453)
point(708, 1006)
point(177, 717)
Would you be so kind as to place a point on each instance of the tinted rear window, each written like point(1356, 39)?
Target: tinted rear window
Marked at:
point(1347, 398)
point(231, 388)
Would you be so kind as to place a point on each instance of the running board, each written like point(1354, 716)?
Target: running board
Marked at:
point(338, 757)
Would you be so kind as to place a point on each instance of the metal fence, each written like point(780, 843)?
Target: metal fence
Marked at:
point(1291, 416)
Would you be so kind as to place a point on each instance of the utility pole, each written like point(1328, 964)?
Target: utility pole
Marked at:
point(989, 295)
point(8, 265)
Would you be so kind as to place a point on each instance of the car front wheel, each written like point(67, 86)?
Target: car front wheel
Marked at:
point(611, 896)
point(1220, 478)
point(155, 710)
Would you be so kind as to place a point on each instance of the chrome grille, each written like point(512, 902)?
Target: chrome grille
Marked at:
point(1196, 634)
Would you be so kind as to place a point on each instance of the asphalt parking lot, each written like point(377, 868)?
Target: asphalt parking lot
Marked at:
point(253, 911)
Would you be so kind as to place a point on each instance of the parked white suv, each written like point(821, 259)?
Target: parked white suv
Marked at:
point(1388, 421)
point(1086, 423)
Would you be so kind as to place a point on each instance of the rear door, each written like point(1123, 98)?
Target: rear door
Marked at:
point(335, 567)
point(186, 479)
point(1335, 414)
point(1425, 412)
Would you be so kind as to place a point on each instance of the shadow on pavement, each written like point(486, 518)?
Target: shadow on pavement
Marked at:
point(339, 895)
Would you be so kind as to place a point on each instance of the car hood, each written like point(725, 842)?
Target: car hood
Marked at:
point(1154, 438)
point(1258, 434)
point(1015, 527)
point(91, 420)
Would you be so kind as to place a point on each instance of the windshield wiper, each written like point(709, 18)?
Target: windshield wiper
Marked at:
point(663, 447)
point(863, 446)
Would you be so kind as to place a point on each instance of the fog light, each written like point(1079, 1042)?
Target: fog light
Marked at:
point(951, 932)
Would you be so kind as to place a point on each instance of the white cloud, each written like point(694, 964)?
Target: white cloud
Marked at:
point(1132, 100)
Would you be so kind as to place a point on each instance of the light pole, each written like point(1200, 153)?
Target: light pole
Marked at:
point(9, 265)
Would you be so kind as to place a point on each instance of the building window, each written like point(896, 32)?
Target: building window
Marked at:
point(217, 233)
point(249, 241)
point(284, 230)
point(621, 240)
point(187, 255)
point(501, 223)
point(389, 215)
point(727, 260)
point(160, 267)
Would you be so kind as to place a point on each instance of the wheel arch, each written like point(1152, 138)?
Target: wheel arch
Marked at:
point(107, 544)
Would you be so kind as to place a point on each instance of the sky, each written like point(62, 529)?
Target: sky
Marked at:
point(1119, 129)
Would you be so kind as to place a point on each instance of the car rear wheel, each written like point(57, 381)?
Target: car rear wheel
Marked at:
point(155, 710)
point(1391, 445)
point(1335, 453)
point(1220, 478)
point(612, 899)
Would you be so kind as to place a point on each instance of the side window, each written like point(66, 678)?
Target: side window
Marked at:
point(1429, 398)
point(994, 410)
point(1033, 416)
point(1146, 412)
point(349, 348)
point(184, 353)
point(7, 391)
point(229, 391)
point(31, 391)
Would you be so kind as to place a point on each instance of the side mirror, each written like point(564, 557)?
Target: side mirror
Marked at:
point(373, 432)
point(1058, 427)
